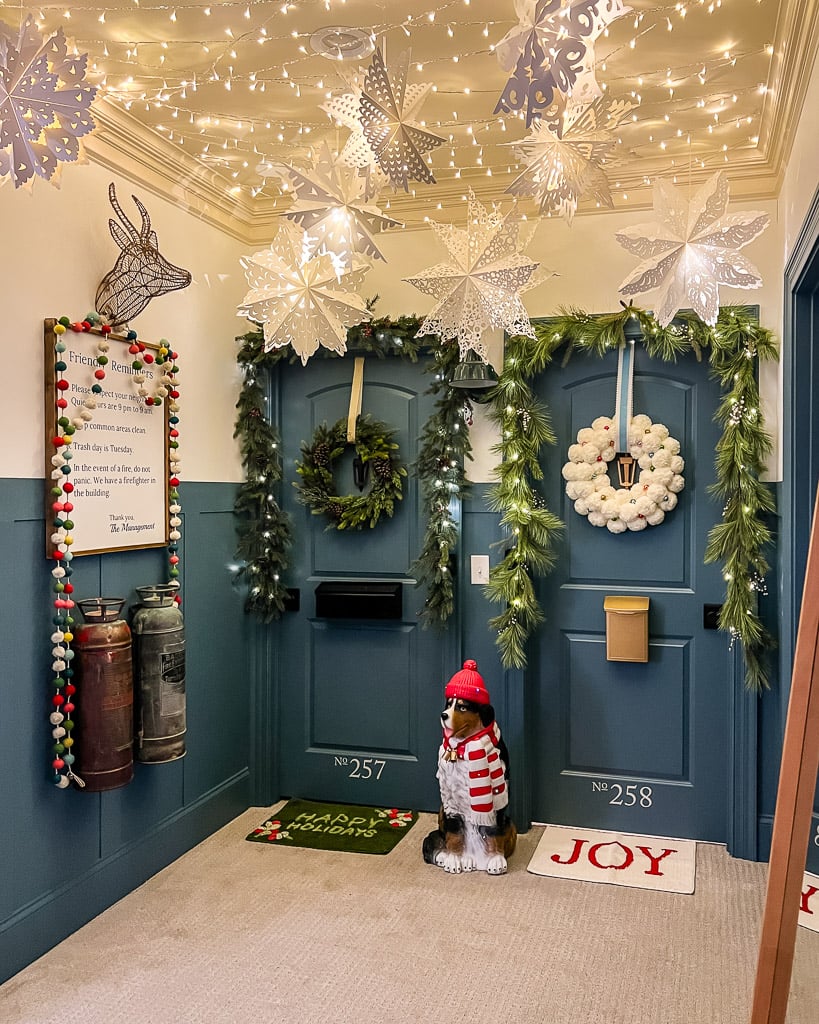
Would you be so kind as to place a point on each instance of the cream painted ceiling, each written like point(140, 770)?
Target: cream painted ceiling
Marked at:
point(196, 99)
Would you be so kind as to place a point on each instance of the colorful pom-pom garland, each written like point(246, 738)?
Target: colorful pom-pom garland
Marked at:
point(64, 699)
point(645, 502)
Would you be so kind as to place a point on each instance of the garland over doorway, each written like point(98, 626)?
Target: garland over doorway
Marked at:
point(265, 530)
point(734, 346)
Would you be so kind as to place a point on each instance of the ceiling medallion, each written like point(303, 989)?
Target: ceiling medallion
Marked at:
point(338, 42)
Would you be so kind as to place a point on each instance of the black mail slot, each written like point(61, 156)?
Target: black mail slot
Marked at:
point(354, 600)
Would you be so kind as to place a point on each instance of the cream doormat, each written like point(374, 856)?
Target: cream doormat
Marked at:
point(809, 902)
point(619, 858)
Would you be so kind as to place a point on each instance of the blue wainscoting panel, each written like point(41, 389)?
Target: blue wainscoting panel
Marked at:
point(67, 854)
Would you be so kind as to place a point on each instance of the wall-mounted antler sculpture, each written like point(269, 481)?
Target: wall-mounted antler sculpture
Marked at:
point(140, 273)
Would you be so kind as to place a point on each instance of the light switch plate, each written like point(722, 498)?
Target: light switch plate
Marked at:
point(479, 568)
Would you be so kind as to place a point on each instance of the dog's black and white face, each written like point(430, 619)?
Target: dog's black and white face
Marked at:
point(463, 718)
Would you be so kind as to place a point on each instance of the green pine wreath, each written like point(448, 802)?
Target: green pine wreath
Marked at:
point(376, 448)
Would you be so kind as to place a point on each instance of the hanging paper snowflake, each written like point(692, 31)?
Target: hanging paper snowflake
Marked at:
point(562, 168)
point(298, 297)
point(691, 248)
point(332, 204)
point(44, 104)
point(345, 111)
point(550, 54)
point(479, 287)
point(386, 115)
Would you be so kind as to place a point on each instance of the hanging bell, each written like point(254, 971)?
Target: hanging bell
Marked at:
point(474, 375)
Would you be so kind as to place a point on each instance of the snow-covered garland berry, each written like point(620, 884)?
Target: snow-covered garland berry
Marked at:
point(63, 700)
point(648, 500)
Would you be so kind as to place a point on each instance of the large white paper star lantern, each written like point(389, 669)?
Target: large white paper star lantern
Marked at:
point(561, 168)
point(298, 298)
point(691, 248)
point(479, 287)
point(45, 104)
point(333, 205)
point(550, 54)
point(387, 118)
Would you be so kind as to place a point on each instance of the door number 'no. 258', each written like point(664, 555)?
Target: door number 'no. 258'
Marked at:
point(362, 767)
point(625, 796)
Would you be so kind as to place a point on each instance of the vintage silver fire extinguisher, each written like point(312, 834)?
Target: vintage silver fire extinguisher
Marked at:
point(159, 672)
point(105, 737)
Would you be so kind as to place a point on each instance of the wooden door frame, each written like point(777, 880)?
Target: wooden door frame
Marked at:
point(800, 407)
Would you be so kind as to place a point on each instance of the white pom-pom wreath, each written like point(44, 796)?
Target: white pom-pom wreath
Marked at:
point(647, 501)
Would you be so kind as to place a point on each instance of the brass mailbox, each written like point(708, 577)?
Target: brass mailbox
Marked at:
point(626, 628)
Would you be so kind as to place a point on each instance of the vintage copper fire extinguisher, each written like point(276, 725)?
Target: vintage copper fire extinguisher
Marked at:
point(105, 745)
point(159, 673)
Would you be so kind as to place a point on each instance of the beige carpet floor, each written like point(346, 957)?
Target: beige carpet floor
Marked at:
point(238, 932)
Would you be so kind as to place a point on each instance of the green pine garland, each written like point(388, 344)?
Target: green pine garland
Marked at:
point(444, 449)
point(735, 346)
point(264, 529)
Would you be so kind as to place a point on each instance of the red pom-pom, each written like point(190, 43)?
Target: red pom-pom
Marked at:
point(149, 400)
point(58, 763)
point(599, 458)
point(57, 506)
point(141, 346)
point(69, 707)
point(105, 329)
point(62, 403)
point(67, 506)
point(70, 688)
point(174, 433)
point(133, 349)
point(85, 325)
point(68, 487)
point(177, 599)
point(59, 603)
point(174, 393)
point(69, 588)
point(62, 384)
point(174, 559)
point(57, 700)
point(174, 481)
point(99, 374)
point(58, 555)
point(148, 357)
point(76, 327)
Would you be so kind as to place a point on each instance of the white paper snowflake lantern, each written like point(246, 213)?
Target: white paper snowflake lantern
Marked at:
point(690, 249)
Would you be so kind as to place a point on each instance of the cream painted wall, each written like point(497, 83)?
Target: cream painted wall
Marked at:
point(55, 250)
point(802, 175)
point(590, 265)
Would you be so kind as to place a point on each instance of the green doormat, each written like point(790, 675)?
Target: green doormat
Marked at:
point(346, 827)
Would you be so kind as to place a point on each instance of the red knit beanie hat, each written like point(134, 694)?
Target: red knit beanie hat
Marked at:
point(468, 685)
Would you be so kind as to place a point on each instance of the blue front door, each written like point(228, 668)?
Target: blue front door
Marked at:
point(359, 698)
point(641, 747)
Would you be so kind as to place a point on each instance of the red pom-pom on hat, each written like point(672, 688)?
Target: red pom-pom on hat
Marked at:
point(468, 684)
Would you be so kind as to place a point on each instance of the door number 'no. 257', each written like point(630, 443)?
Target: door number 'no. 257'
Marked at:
point(362, 767)
point(625, 796)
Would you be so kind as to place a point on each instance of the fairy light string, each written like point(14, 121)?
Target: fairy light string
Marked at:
point(65, 697)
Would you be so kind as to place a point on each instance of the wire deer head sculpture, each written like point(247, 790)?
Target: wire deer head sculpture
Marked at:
point(140, 273)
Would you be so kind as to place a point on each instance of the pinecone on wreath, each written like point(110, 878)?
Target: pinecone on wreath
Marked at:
point(336, 510)
point(382, 469)
point(321, 454)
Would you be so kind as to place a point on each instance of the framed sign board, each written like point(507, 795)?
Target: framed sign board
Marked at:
point(119, 466)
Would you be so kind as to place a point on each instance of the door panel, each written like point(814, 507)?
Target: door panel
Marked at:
point(638, 747)
point(359, 700)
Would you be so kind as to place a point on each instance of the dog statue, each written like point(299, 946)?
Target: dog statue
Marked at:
point(474, 830)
